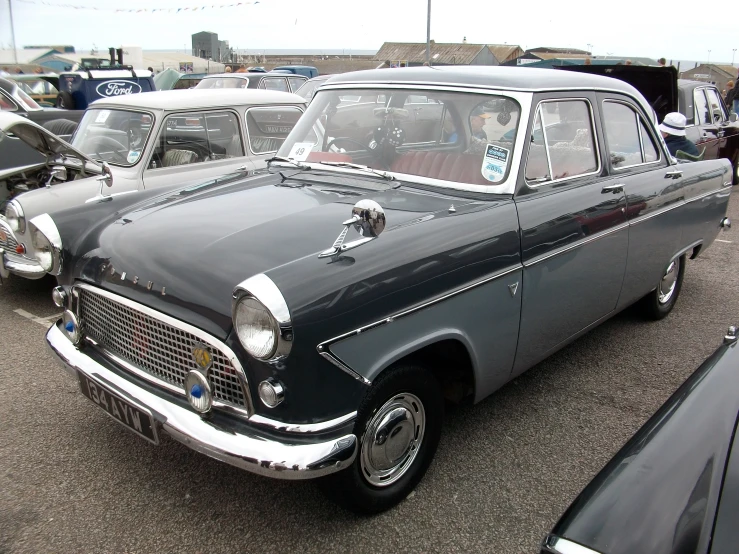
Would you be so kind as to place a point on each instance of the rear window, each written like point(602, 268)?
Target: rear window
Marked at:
point(223, 83)
point(268, 127)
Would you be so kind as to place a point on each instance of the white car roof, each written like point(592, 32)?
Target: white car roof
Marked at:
point(170, 100)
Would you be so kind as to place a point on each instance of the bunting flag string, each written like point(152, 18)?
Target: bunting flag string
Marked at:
point(139, 10)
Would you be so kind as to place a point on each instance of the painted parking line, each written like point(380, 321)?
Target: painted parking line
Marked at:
point(45, 321)
point(728, 241)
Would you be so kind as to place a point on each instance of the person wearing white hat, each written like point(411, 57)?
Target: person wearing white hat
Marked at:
point(673, 131)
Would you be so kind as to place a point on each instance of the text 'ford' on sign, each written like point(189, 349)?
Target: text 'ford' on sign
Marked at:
point(117, 88)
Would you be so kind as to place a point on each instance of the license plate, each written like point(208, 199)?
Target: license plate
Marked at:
point(136, 419)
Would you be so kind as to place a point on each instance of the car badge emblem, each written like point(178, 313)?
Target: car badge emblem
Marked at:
point(202, 356)
point(3, 236)
point(513, 288)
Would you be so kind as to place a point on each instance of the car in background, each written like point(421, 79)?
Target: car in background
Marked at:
point(306, 70)
point(188, 80)
point(146, 141)
point(674, 486)
point(13, 99)
point(710, 125)
point(308, 89)
point(423, 236)
point(42, 87)
point(78, 89)
point(267, 81)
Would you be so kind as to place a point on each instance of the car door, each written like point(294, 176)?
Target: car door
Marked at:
point(705, 132)
point(574, 236)
point(195, 146)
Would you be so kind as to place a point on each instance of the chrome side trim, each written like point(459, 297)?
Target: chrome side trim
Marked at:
point(324, 347)
point(558, 545)
point(655, 213)
point(202, 335)
point(576, 244)
point(701, 196)
point(303, 427)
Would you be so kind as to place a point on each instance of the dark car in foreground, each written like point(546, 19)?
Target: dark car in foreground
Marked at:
point(674, 487)
point(423, 235)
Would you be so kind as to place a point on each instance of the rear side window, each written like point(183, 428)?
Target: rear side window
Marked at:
point(296, 82)
point(268, 128)
point(562, 143)
point(702, 113)
point(273, 83)
point(715, 105)
point(196, 138)
point(629, 143)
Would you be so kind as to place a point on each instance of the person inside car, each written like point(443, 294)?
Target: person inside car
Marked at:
point(673, 131)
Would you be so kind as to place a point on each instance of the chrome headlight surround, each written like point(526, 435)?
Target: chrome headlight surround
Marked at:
point(15, 216)
point(259, 307)
point(47, 243)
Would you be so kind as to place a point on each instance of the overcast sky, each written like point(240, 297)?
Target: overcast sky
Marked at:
point(628, 27)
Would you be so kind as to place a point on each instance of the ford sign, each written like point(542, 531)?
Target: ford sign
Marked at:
point(117, 88)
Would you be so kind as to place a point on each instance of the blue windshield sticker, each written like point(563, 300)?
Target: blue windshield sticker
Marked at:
point(133, 156)
point(495, 163)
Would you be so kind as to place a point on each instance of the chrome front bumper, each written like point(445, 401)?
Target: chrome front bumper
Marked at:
point(240, 446)
point(17, 265)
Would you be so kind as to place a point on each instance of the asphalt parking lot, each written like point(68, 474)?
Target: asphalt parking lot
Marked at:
point(73, 480)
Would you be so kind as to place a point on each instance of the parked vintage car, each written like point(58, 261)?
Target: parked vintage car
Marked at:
point(429, 239)
point(146, 141)
point(258, 80)
point(307, 71)
point(709, 124)
point(13, 99)
point(674, 487)
point(308, 89)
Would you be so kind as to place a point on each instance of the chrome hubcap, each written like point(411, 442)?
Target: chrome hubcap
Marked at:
point(668, 282)
point(392, 439)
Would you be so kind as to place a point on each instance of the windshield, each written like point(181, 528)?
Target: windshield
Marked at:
point(449, 136)
point(114, 136)
point(223, 82)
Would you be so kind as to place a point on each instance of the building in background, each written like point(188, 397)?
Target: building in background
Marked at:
point(207, 46)
point(403, 54)
point(717, 74)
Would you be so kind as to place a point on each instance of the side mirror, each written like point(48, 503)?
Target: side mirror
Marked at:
point(368, 219)
point(58, 172)
point(106, 177)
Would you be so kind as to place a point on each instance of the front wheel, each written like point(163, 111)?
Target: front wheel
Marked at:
point(398, 425)
point(660, 302)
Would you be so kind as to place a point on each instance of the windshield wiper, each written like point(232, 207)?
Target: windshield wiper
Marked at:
point(289, 161)
point(349, 165)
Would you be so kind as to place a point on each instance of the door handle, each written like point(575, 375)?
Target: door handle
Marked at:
point(614, 189)
point(674, 174)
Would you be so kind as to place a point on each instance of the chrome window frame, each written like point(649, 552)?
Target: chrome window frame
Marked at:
point(246, 125)
point(11, 100)
point(639, 126)
point(599, 165)
point(301, 78)
point(724, 115)
point(203, 111)
point(698, 120)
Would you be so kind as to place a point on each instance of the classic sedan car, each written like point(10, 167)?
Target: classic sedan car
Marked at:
point(429, 241)
point(267, 81)
point(674, 487)
point(147, 141)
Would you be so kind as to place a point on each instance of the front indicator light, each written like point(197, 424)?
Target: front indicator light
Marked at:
point(59, 296)
point(271, 393)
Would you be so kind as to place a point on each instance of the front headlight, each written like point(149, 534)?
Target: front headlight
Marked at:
point(47, 243)
point(256, 328)
point(14, 215)
point(262, 319)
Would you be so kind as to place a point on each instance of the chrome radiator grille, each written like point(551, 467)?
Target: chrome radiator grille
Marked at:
point(155, 347)
point(9, 244)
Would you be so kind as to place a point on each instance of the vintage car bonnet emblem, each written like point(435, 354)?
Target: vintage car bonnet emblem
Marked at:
point(368, 218)
point(201, 355)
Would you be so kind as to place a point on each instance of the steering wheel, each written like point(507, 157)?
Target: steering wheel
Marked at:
point(135, 138)
point(361, 145)
point(107, 142)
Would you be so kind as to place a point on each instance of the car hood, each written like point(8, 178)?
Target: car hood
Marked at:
point(38, 138)
point(657, 84)
point(194, 246)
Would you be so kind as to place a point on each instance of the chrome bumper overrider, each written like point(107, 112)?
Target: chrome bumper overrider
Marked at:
point(23, 267)
point(239, 446)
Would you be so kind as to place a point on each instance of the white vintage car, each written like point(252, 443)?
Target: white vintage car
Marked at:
point(131, 143)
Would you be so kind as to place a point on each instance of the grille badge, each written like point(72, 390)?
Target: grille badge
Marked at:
point(201, 355)
point(3, 236)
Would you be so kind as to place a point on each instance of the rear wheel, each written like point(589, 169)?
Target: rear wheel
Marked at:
point(398, 425)
point(660, 302)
